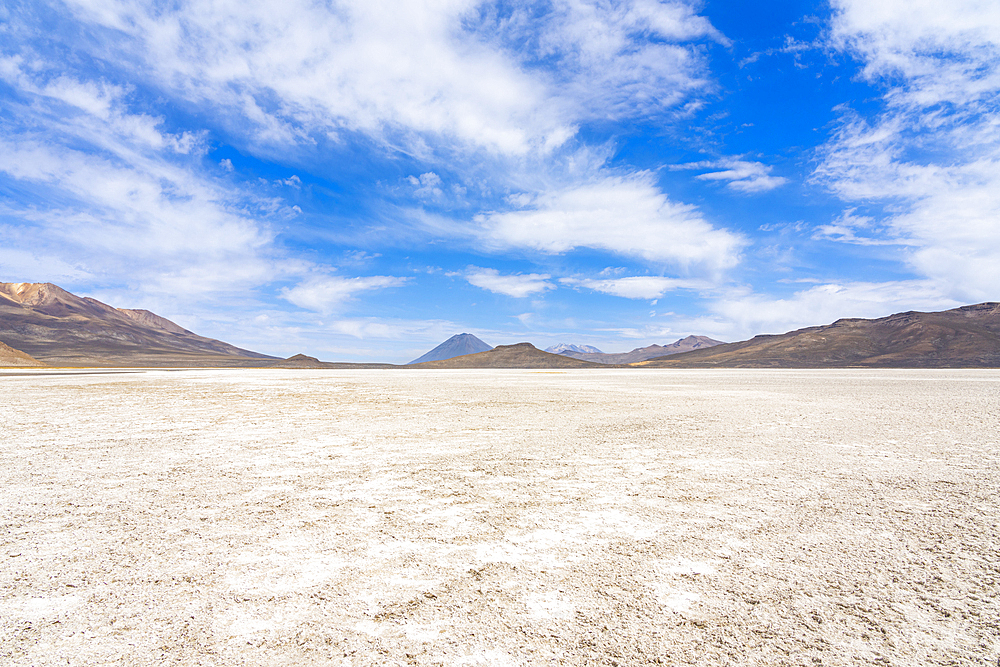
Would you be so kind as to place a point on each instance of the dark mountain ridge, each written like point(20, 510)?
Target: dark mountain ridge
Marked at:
point(62, 329)
point(11, 358)
point(965, 337)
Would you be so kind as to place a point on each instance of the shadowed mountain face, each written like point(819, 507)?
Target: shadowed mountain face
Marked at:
point(521, 355)
point(966, 337)
point(9, 357)
point(62, 329)
point(456, 346)
point(650, 352)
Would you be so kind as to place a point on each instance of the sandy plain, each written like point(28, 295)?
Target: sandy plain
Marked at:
point(613, 517)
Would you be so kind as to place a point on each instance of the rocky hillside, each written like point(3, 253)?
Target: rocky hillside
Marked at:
point(521, 355)
point(62, 329)
point(966, 337)
point(11, 358)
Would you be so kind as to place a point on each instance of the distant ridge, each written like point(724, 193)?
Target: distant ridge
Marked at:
point(302, 361)
point(966, 337)
point(298, 361)
point(59, 328)
point(567, 348)
point(456, 346)
point(652, 351)
point(521, 355)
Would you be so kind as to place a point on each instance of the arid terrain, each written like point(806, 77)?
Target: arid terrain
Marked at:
point(500, 517)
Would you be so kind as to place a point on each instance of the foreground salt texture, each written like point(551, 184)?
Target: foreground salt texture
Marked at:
point(613, 517)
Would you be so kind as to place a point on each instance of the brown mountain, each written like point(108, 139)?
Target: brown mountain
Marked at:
point(649, 352)
point(9, 357)
point(966, 337)
point(307, 362)
point(521, 355)
point(456, 346)
point(62, 329)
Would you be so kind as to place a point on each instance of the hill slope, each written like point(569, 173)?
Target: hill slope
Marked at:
point(521, 355)
point(302, 361)
point(62, 329)
point(9, 357)
point(456, 346)
point(965, 337)
point(649, 352)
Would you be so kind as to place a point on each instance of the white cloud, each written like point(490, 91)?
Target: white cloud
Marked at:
point(947, 52)
point(121, 199)
point(426, 186)
point(933, 154)
point(627, 215)
point(518, 285)
point(855, 229)
point(597, 60)
point(746, 314)
point(26, 266)
point(464, 70)
point(325, 294)
point(414, 336)
point(742, 176)
point(637, 287)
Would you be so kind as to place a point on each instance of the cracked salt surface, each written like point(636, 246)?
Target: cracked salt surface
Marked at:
point(500, 518)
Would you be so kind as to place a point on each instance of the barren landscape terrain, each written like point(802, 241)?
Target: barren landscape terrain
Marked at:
point(500, 517)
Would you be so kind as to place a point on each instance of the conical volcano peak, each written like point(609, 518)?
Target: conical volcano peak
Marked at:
point(456, 346)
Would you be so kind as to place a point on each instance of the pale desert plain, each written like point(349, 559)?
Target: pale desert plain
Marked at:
point(500, 517)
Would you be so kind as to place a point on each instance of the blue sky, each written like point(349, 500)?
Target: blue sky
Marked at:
point(360, 180)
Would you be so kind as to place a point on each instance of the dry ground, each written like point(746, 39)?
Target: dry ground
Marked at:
point(610, 517)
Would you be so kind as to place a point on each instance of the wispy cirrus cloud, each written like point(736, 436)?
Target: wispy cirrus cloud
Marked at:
point(507, 77)
point(120, 197)
point(932, 154)
point(636, 287)
point(326, 294)
point(739, 175)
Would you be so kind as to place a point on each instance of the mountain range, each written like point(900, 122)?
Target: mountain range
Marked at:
point(649, 352)
point(568, 349)
point(43, 324)
point(966, 337)
point(520, 355)
point(61, 329)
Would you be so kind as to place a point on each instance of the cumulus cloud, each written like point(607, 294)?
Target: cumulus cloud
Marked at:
point(627, 215)
point(636, 287)
point(324, 294)
point(932, 155)
point(742, 176)
point(426, 186)
point(518, 285)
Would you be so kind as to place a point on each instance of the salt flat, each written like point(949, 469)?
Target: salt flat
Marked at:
point(613, 517)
